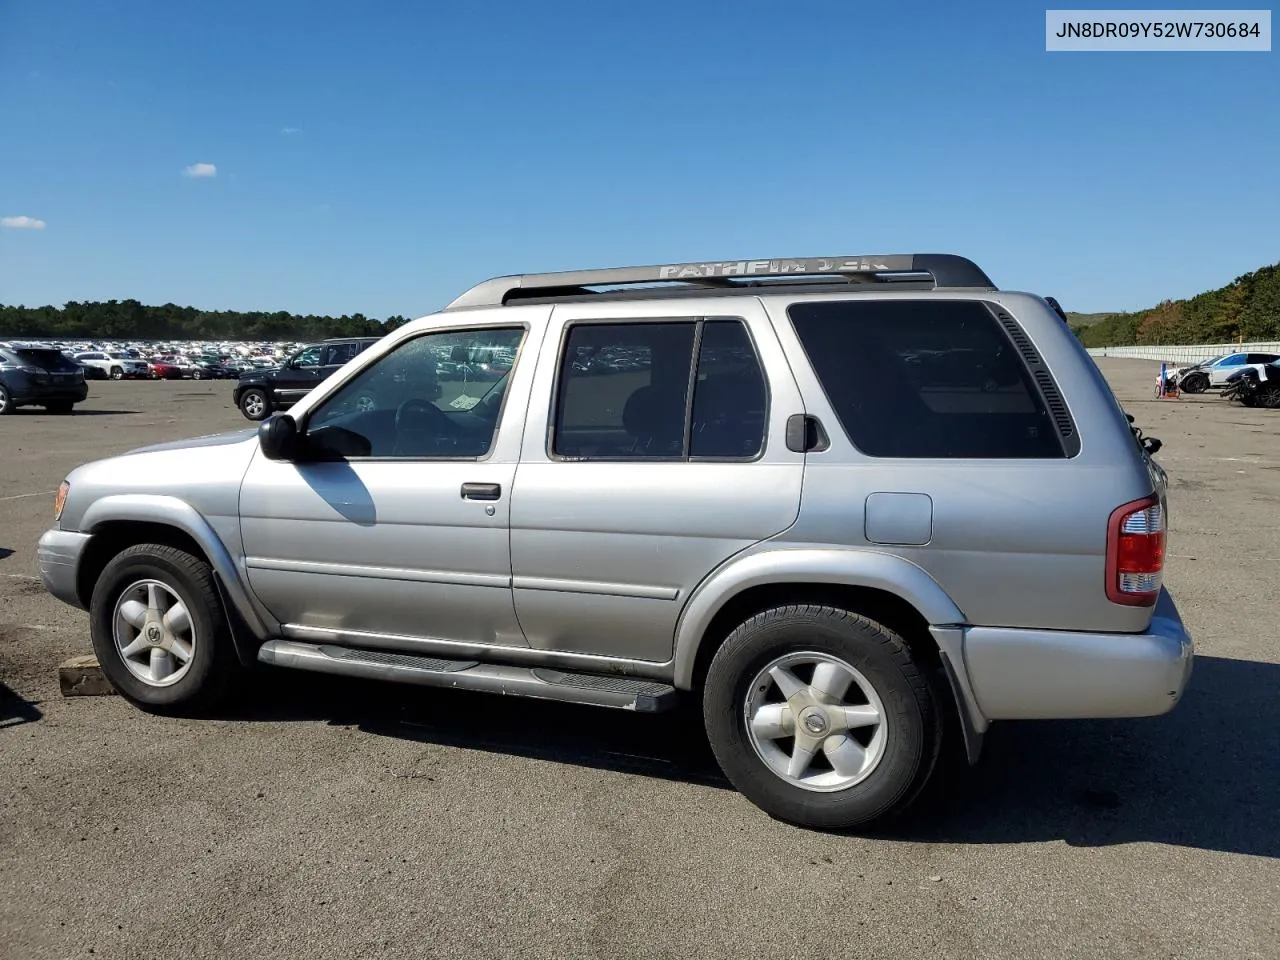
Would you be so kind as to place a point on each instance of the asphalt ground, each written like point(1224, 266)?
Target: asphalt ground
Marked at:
point(317, 818)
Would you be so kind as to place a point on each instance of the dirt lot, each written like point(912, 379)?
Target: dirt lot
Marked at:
point(322, 819)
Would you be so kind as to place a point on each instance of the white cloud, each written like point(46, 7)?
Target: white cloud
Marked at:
point(290, 131)
point(22, 223)
point(201, 170)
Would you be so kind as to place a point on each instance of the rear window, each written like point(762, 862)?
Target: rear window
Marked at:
point(52, 360)
point(925, 379)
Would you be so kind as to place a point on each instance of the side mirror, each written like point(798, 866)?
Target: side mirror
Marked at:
point(278, 437)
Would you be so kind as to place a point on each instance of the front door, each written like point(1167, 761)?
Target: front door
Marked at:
point(393, 525)
point(1225, 367)
point(300, 375)
point(662, 455)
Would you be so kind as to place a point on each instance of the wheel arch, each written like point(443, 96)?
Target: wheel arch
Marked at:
point(888, 589)
point(118, 522)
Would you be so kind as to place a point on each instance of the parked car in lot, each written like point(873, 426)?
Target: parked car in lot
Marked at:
point(258, 393)
point(164, 370)
point(118, 365)
point(1199, 377)
point(1255, 386)
point(208, 368)
point(832, 564)
point(35, 374)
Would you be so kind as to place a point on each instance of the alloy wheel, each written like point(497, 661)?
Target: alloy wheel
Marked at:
point(815, 721)
point(153, 632)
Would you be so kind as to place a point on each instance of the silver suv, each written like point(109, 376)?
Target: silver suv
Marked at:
point(842, 500)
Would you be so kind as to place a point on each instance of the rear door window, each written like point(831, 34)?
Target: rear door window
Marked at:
point(623, 391)
point(340, 353)
point(925, 379)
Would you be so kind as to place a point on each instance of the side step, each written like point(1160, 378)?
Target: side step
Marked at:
point(623, 693)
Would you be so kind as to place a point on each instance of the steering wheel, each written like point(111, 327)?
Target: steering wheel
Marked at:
point(420, 428)
point(417, 415)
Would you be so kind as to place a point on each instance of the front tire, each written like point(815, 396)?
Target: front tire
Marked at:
point(159, 630)
point(6, 402)
point(255, 404)
point(1195, 383)
point(821, 717)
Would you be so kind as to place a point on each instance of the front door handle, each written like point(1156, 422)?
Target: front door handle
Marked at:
point(481, 491)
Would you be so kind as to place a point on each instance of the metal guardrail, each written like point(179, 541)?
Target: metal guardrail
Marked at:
point(1185, 353)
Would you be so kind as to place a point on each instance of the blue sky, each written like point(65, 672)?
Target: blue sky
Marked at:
point(381, 157)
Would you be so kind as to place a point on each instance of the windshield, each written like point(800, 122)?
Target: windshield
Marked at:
point(47, 360)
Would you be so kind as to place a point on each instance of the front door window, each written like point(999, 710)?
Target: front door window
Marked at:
point(434, 396)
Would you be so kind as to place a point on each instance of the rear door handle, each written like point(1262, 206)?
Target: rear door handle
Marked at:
point(481, 491)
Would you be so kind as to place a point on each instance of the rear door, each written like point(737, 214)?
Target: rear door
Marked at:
point(654, 451)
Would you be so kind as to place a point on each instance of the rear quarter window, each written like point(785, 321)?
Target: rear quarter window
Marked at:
point(925, 379)
point(52, 360)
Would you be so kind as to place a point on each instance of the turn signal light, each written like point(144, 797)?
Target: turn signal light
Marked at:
point(60, 501)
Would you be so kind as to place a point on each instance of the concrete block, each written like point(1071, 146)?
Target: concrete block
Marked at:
point(83, 677)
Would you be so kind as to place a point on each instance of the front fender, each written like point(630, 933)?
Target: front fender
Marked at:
point(859, 568)
point(173, 512)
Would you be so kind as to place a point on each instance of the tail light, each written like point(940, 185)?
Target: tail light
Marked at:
point(1135, 552)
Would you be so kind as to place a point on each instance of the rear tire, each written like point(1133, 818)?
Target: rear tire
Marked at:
point(892, 758)
point(6, 402)
point(192, 685)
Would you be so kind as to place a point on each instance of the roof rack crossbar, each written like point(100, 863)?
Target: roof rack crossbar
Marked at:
point(946, 269)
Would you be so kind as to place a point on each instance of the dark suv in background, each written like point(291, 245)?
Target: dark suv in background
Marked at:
point(36, 375)
point(259, 393)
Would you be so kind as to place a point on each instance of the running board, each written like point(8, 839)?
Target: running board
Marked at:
point(622, 693)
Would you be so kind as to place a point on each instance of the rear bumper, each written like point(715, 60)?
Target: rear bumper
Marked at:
point(75, 392)
point(58, 556)
point(1055, 674)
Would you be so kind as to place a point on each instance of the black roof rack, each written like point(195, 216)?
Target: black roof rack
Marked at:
point(942, 269)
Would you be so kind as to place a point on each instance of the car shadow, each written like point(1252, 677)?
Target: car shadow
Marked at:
point(5, 552)
point(669, 746)
point(77, 412)
point(1206, 775)
point(15, 710)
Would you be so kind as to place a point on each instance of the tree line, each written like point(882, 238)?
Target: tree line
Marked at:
point(1248, 308)
point(131, 320)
